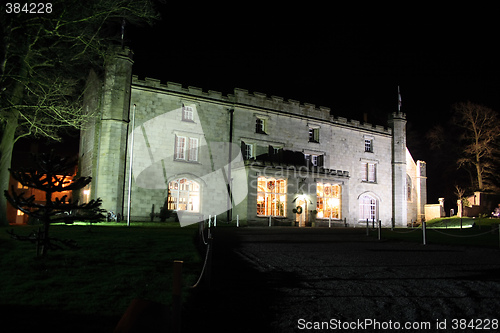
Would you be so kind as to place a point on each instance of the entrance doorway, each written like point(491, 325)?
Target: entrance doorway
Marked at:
point(301, 215)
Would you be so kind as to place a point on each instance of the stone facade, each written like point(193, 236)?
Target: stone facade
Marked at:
point(260, 158)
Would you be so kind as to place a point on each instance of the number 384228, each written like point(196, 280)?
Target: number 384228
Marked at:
point(28, 8)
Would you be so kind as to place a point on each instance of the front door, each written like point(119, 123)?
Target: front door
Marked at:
point(301, 215)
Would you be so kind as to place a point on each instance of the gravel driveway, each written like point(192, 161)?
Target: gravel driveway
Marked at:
point(311, 279)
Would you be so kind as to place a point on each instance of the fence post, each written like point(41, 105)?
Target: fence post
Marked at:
point(210, 249)
point(379, 229)
point(269, 220)
point(176, 296)
point(237, 221)
point(367, 231)
point(424, 231)
point(215, 220)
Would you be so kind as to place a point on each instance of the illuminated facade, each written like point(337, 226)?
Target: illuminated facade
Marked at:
point(246, 154)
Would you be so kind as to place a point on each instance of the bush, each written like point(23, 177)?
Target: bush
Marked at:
point(165, 213)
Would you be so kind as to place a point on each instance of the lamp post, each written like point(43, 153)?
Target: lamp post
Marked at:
point(130, 166)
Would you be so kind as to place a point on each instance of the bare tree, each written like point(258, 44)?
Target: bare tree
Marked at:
point(459, 192)
point(479, 142)
point(44, 59)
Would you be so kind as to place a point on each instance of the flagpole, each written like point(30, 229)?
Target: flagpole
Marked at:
point(130, 166)
point(399, 100)
point(123, 33)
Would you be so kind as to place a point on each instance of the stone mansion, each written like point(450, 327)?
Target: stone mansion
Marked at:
point(246, 155)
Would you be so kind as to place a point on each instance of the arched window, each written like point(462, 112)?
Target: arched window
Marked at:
point(184, 194)
point(367, 207)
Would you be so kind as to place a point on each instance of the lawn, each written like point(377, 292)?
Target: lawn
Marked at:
point(113, 265)
point(475, 232)
point(466, 222)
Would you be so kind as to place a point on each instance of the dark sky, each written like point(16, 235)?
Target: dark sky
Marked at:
point(351, 68)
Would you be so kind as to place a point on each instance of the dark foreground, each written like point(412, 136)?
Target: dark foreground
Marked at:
point(295, 280)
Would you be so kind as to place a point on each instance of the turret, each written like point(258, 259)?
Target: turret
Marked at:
point(399, 198)
point(112, 144)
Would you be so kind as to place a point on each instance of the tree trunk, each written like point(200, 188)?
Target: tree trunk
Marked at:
point(479, 175)
point(6, 147)
point(9, 136)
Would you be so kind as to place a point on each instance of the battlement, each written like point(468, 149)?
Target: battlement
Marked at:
point(177, 87)
point(244, 98)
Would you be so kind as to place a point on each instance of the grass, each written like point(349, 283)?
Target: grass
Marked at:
point(114, 265)
point(466, 222)
point(481, 232)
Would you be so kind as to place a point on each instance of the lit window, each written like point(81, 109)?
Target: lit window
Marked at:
point(328, 201)
point(313, 134)
point(187, 113)
point(367, 208)
point(86, 194)
point(184, 194)
point(369, 172)
point(271, 196)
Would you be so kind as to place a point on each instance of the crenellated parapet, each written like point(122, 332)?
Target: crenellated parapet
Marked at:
point(245, 99)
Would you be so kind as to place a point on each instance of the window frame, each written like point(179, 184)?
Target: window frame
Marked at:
point(268, 201)
point(260, 125)
point(369, 172)
point(368, 145)
point(180, 149)
point(313, 134)
point(368, 204)
point(174, 202)
point(249, 151)
point(409, 188)
point(188, 150)
point(192, 149)
point(187, 110)
point(323, 199)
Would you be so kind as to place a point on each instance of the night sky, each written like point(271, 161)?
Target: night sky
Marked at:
point(351, 69)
